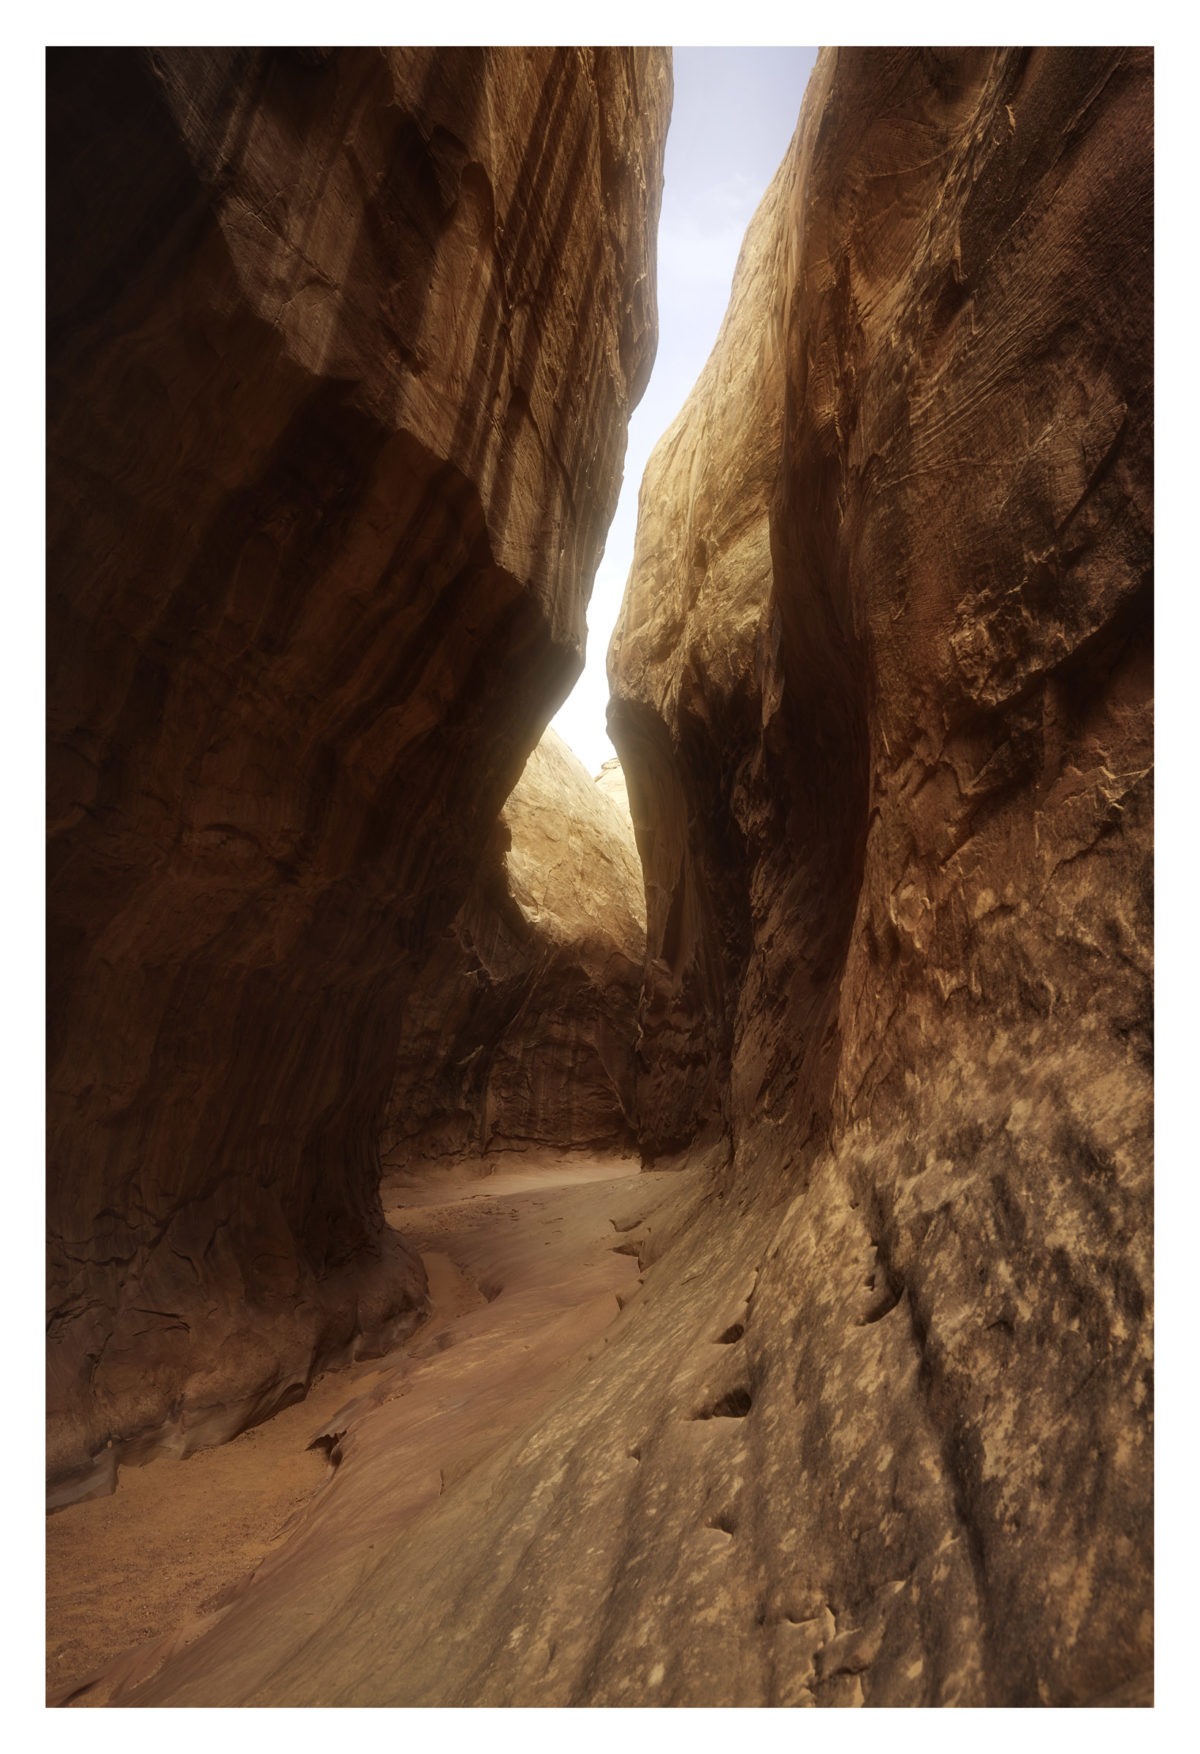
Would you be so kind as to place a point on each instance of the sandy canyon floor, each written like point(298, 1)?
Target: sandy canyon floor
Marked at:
point(526, 1268)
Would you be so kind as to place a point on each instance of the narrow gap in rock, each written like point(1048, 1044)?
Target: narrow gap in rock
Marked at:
point(428, 1076)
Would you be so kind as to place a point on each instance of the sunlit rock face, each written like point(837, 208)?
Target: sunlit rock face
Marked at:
point(883, 696)
point(686, 670)
point(342, 345)
point(521, 1029)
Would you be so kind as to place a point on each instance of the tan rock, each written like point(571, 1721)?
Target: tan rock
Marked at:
point(876, 1428)
point(342, 345)
point(521, 1029)
point(685, 667)
point(611, 781)
point(884, 699)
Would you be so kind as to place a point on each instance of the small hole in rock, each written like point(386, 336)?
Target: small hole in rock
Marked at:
point(884, 1303)
point(331, 1443)
point(732, 1335)
point(735, 1405)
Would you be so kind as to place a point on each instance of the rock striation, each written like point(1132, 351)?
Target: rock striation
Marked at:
point(884, 700)
point(520, 1031)
point(876, 1427)
point(342, 346)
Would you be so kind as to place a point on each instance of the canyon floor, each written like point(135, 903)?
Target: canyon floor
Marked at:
point(526, 1269)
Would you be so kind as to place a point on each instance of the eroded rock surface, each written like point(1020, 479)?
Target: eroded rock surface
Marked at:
point(884, 702)
point(521, 1029)
point(342, 346)
point(876, 1428)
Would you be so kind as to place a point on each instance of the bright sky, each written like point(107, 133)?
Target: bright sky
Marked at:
point(735, 112)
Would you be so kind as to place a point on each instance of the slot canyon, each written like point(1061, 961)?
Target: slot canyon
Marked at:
point(676, 1238)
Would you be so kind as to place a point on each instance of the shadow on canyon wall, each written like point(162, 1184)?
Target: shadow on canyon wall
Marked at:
point(342, 348)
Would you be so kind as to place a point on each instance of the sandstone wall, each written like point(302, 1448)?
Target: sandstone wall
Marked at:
point(521, 1029)
point(686, 669)
point(876, 1428)
point(342, 346)
point(884, 691)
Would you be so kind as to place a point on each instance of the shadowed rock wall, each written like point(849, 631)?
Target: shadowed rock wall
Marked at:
point(521, 1029)
point(342, 345)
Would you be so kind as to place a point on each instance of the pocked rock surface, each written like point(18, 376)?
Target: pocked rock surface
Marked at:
point(884, 701)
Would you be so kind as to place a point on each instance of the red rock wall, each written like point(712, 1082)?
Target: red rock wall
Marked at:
point(342, 345)
point(876, 1428)
point(521, 1029)
point(884, 699)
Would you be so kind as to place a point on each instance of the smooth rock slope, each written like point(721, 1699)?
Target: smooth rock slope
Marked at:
point(342, 347)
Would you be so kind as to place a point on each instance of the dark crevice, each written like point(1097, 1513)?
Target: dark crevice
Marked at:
point(331, 1443)
point(735, 1405)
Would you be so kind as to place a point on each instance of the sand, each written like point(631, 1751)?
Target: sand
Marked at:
point(178, 1539)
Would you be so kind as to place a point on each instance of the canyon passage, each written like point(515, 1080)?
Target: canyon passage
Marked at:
point(679, 1238)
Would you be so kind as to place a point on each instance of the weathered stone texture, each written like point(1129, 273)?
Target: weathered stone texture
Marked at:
point(342, 346)
point(883, 688)
point(687, 713)
point(521, 1029)
point(876, 1428)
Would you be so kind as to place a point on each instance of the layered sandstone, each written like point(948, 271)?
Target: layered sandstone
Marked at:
point(884, 698)
point(342, 345)
point(521, 1029)
point(876, 1428)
